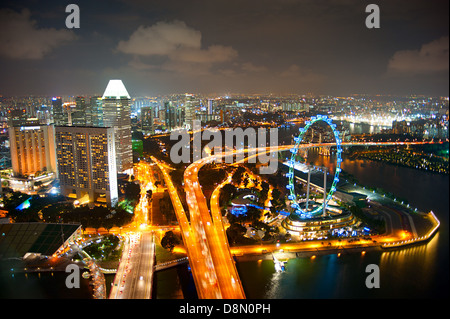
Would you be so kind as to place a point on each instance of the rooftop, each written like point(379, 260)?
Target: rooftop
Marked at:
point(116, 90)
point(17, 239)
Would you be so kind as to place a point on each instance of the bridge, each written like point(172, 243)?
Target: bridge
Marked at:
point(195, 241)
point(170, 264)
point(134, 277)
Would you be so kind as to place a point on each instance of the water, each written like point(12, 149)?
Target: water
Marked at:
point(44, 285)
point(361, 128)
point(403, 274)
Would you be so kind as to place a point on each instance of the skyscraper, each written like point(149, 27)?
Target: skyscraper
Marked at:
point(32, 149)
point(169, 115)
point(95, 114)
point(116, 114)
point(210, 107)
point(79, 113)
point(59, 116)
point(33, 155)
point(87, 163)
point(189, 111)
point(147, 120)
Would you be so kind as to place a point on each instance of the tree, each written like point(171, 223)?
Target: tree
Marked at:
point(226, 194)
point(238, 174)
point(235, 234)
point(253, 214)
point(169, 241)
point(132, 191)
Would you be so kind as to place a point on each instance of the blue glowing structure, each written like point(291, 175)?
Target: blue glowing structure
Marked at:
point(26, 204)
point(292, 163)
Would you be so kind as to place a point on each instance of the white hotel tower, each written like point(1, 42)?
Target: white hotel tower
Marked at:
point(117, 114)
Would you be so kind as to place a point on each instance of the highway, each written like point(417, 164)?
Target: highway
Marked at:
point(195, 242)
point(213, 234)
point(134, 278)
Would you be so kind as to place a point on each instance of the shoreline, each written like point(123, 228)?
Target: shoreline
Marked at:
point(368, 158)
point(307, 253)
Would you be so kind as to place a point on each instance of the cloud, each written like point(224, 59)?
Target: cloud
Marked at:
point(214, 54)
point(301, 76)
point(161, 39)
point(250, 67)
point(178, 43)
point(292, 71)
point(20, 37)
point(432, 57)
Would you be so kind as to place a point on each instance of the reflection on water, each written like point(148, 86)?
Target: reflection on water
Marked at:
point(418, 266)
point(45, 285)
point(273, 287)
point(407, 273)
point(360, 128)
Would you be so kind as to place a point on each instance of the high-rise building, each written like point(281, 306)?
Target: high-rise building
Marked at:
point(87, 163)
point(210, 107)
point(19, 117)
point(43, 114)
point(169, 115)
point(117, 114)
point(94, 116)
point(79, 113)
point(32, 149)
point(147, 120)
point(33, 156)
point(59, 115)
point(189, 111)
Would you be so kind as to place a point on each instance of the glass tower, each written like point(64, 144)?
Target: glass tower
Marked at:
point(117, 114)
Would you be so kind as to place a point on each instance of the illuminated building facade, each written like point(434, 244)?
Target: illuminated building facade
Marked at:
point(33, 155)
point(95, 115)
point(79, 113)
point(59, 115)
point(147, 120)
point(189, 109)
point(87, 163)
point(117, 114)
point(322, 226)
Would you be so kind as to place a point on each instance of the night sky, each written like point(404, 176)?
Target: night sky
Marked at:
point(225, 47)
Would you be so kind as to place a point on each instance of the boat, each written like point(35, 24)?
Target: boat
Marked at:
point(279, 265)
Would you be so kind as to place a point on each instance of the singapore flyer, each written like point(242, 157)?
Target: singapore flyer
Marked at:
point(304, 212)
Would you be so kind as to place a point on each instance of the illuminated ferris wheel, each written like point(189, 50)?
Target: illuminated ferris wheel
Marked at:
point(294, 162)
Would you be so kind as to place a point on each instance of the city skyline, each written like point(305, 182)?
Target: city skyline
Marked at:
point(281, 47)
point(224, 149)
